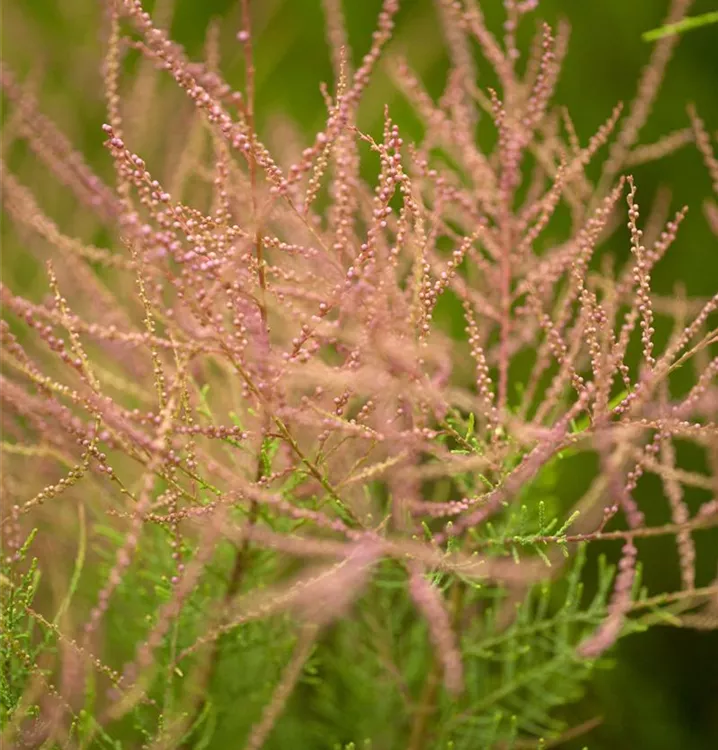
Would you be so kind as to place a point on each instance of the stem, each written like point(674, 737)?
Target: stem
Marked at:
point(241, 557)
point(249, 95)
point(235, 581)
point(505, 328)
point(506, 228)
point(426, 708)
point(427, 703)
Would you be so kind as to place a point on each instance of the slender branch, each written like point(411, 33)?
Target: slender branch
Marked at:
point(428, 701)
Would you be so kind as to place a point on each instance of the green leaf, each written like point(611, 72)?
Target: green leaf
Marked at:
point(203, 408)
point(269, 449)
point(687, 24)
point(569, 521)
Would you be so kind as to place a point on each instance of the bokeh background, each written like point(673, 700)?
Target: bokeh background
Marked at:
point(662, 692)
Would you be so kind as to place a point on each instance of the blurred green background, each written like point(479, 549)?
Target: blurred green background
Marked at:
point(663, 692)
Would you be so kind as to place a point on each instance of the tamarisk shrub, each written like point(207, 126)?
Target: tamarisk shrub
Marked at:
point(256, 489)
